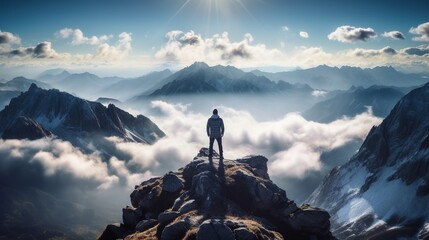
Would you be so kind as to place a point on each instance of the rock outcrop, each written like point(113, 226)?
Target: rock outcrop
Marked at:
point(230, 199)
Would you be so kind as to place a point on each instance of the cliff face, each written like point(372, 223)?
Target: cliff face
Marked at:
point(232, 199)
point(383, 191)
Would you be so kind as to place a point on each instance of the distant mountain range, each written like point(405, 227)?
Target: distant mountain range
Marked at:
point(354, 101)
point(383, 191)
point(199, 78)
point(72, 118)
point(334, 78)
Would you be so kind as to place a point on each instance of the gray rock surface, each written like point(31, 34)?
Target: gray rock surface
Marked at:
point(229, 199)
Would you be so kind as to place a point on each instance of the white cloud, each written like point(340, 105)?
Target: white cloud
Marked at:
point(9, 38)
point(394, 35)
point(292, 144)
point(58, 158)
point(116, 52)
point(303, 34)
point(78, 37)
point(319, 93)
point(41, 50)
point(285, 28)
point(422, 30)
point(188, 47)
point(349, 34)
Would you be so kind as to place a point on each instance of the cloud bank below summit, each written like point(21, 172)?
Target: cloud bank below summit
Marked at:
point(293, 145)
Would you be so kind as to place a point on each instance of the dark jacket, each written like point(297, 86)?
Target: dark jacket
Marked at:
point(215, 127)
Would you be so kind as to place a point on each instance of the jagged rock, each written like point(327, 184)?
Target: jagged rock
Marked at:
point(206, 190)
point(146, 224)
point(130, 216)
point(188, 206)
point(25, 128)
point(258, 164)
point(221, 200)
point(214, 229)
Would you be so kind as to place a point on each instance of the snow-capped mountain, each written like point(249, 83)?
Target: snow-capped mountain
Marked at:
point(383, 191)
point(334, 78)
point(70, 117)
point(201, 78)
point(354, 101)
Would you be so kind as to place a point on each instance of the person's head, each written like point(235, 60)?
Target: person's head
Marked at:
point(215, 111)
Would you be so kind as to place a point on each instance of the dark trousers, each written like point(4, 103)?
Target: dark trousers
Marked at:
point(219, 143)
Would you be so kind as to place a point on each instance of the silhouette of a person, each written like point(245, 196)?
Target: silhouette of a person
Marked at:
point(215, 130)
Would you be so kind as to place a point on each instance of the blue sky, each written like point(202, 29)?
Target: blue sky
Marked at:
point(282, 33)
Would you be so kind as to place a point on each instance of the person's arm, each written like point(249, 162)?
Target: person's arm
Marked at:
point(208, 128)
point(222, 127)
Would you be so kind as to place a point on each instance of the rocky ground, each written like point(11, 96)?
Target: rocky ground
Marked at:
point(230, 199)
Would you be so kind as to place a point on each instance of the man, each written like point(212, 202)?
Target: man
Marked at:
point(215, 130)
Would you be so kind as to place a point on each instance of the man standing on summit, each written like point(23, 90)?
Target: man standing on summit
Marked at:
point(215, 130)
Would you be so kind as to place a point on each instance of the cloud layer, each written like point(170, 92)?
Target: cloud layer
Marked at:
point(348, 34)
point(78, 37)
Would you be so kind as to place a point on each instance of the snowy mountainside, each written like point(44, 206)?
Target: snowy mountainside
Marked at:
point(69, 117)
point(383, 191)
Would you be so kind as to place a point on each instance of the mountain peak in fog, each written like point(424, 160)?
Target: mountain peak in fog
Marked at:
point(232, 199)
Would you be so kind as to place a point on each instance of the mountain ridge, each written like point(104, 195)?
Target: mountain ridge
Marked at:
point(391, 162)
point(66, 116)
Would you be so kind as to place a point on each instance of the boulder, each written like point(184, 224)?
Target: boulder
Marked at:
point(167, 217)
point(144, 225)
point(243, 233)
point(172, 183)
point(176, 230)
point(130, 216)
point(214, 229)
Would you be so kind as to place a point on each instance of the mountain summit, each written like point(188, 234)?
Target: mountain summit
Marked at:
point(383, 191)
point(70, 117)
point(234, 199)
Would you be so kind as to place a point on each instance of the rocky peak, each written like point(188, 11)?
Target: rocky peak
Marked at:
point(68, 116)
point(230, 199)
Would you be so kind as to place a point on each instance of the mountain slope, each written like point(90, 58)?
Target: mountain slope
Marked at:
point(232, 199)
point(69, 117)
point(200, 78)
point(383, 191)
point(84, 84)
point(354, 101)
point(334, 78)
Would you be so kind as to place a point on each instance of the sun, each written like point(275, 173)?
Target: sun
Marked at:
point(216, 9)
